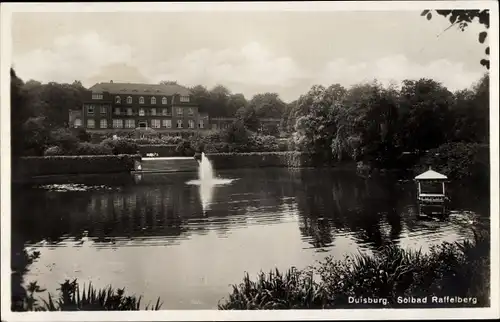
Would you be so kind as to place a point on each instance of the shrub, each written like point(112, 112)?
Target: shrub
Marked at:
point(221, 147)
point(121, 146)
point(53, 150)
point(86, 148)
point(82, 135)
point(264, 143)
point(184, 148)
point(64, 138)
point(164, 140)
point(458, 161)
point(276, 291)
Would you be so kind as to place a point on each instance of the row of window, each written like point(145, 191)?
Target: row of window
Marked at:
point(142, 111)
point(118, 99)
point(131, 124)
point(91, 108)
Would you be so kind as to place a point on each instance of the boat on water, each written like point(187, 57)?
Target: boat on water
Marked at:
point(431, 194)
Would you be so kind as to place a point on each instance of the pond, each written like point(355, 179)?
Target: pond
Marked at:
point(161, 235)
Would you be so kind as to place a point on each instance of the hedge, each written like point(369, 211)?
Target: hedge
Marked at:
point(86, 164)
point(260, 159)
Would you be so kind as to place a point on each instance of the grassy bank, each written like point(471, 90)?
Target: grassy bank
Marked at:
point(459, 269)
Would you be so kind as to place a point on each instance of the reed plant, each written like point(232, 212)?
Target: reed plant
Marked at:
point(72, 297)
point(450, 269)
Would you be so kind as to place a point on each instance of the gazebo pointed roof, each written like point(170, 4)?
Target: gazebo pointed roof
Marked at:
point(431, 175)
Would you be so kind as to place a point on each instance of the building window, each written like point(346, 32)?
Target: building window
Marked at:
point(153, 111)
point(117, 124)
point(155, 124)
point(179, 124)
point(164, 100)
point(179, 111)
point(201, 124)
point(118, 100)
point(117, 111)
point(78, 122)
point(185, 99)
point(164, 111)
point(191, 111)
point(129, 111)
point(130, 124)
point(141, 112)
point(167, 123)
point(191, 124)
point(104, 109)
point(90, 123)
point(153, 100)
point(90, 109)
point(129, 100)
point(97, 96)
point(141, 100)
point(104, 124)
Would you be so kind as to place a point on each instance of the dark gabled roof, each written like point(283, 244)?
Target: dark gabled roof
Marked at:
point(136, 89)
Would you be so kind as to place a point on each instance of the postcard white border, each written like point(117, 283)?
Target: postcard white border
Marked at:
point(362, 314)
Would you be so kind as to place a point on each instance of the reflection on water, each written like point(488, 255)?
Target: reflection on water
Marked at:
point(175, 237)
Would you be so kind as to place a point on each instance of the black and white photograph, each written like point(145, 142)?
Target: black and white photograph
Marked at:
point(249, 160)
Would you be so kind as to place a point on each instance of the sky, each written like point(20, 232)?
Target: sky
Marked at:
point(248, 52)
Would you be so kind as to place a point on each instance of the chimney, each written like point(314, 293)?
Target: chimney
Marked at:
point(111, 81)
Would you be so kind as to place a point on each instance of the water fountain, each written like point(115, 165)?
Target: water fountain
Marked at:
point(205, 170)
point(207, 181)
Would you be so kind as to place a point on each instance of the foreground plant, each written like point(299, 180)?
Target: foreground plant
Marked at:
point(292, 290)
point(458, 269)
point(72, 298)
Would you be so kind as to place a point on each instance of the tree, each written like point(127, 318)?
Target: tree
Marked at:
point(462, 18)
point(19, 113)
point(54, 100)
point(202, 97)
point(37, 135)
point(424, 114)
point(366, 120)
point(165, 82)
point(234, 103)
point(315, 124)
point(247, 116)
point(237, 137)
point(268, 105)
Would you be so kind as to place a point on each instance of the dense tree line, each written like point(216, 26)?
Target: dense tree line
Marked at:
point(40, 111)
point(365, 122)
point(376, 124)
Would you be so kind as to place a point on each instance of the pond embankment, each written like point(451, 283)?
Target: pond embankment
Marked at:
point(267, 159)
point(29, 169)
point(34, 169)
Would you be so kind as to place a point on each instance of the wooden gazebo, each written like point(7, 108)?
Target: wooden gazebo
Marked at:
point(431, 187)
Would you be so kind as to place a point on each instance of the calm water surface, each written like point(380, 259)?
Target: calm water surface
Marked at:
point(157, 235)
